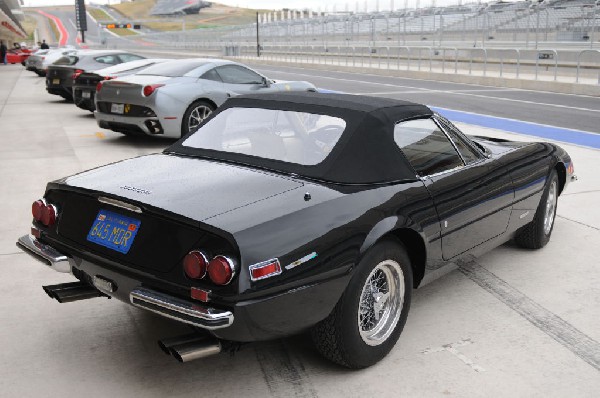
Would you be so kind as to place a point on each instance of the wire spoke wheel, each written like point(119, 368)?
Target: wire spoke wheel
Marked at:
point(550, 208)
point(381, 302)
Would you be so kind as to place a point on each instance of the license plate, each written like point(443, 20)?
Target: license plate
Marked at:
point(55, 81)
point(117, 108)
point(114, 231)
point(86, 94)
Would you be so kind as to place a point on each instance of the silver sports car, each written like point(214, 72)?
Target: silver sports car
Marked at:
point(172, 98)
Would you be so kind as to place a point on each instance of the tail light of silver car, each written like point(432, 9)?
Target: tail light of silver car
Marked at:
point(220, 269)
point(77, 73)
point(149, 89)
point(44, 212)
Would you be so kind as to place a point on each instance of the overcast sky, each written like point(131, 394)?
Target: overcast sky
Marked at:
point(278, 4)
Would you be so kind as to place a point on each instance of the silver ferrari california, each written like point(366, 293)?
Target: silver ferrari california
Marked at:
point(172, 98)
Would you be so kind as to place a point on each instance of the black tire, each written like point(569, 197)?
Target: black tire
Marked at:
point(536, 234)
point(341, 336)
point(191, 122)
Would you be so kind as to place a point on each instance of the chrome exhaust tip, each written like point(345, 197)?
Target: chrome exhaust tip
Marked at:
point(74, 291)
point(187, 352)
point(166, 344)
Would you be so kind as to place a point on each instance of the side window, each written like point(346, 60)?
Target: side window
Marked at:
point(211, 75)
point(129, 57)
point(235, 74)
point(108, 59)
point(468, 154)
point(426, 147)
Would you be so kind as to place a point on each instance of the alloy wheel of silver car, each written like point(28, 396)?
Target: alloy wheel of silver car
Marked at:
point(381, 302)
point(550, 207)
point(197, 116)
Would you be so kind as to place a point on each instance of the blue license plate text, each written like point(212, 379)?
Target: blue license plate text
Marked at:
point(114, 231)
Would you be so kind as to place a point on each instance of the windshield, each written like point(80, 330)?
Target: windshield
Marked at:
point(288, 136)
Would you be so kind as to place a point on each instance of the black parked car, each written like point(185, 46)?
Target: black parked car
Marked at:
point(292, 212)
point(60, 75)
point(85, 84)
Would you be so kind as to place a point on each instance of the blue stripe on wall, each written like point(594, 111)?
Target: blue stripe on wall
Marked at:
point(576, 137)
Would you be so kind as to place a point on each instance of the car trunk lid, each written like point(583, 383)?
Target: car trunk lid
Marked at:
point(176, 203)
point(197, 189)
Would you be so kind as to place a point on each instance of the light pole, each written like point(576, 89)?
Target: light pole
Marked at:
point(537, 23)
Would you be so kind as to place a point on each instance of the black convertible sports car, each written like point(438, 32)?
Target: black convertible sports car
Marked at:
point(292, 212)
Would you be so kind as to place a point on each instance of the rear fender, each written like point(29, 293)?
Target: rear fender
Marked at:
point(414, 242)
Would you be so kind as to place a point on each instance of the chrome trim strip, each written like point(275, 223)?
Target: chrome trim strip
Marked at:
point(180, 310)
point(118, 203)
point(53, 258)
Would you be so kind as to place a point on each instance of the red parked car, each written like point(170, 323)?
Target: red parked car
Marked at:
point(17, 56)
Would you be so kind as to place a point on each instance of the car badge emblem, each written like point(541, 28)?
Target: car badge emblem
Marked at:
point(301, 260)
point(136, 190)
point(118, 91)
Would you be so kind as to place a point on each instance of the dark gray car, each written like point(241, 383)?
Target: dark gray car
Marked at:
point(60, 75)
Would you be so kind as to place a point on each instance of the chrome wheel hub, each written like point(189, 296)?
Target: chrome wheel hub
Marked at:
point(381, 302)
point(550, 208)
point(197, 116)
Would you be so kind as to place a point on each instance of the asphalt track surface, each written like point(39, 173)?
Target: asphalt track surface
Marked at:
point(575, 112)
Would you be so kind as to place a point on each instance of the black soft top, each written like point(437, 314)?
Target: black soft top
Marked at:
point(365, 153)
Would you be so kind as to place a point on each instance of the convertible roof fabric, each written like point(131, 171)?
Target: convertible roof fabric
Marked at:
point(365, 153)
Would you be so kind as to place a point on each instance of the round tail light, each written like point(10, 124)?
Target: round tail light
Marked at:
point(48, 215)
point(37, 209)
point(194, 264)
point(221, 270)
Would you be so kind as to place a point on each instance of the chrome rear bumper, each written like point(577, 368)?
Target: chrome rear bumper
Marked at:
point(163, 304)
point(44, 253)
point(180, 310)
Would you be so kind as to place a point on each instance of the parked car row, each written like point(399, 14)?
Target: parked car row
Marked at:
point(134, 95)
point(39, 61)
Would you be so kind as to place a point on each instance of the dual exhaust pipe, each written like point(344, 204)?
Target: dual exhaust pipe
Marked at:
point(183, 348)
point(190, 346)
point(73, 291)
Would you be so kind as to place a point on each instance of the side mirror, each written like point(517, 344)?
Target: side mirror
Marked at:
point(266, 82)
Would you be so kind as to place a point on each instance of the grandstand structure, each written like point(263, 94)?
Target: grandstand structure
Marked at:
point(475, 24)
point(178, 7)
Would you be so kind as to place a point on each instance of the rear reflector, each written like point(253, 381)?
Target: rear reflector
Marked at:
point(36, 232)
point(199, 294)
point(221, 270)
point(265, 270)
